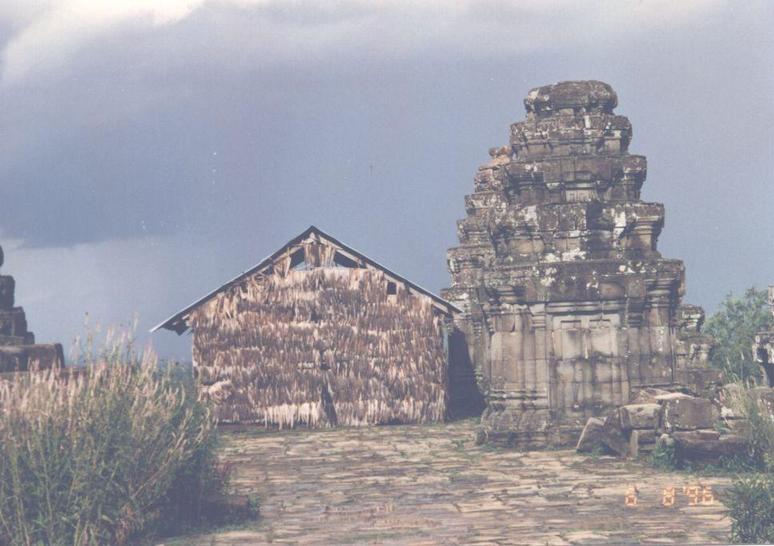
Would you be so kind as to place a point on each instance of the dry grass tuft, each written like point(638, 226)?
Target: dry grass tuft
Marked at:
point(103, 456)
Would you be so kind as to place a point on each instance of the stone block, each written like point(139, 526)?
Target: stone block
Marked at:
point(12, 359)
point(13, 322)
point(640, 416)
point(45, 356)
point(700, 446)
point(27, 339)
point(686, 412)
point(634, 444)
point(602, 435)
point(7, 287)
point(22, 358)
point(741, 427)
point(647, 395)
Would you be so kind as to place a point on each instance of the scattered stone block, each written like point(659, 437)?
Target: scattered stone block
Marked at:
point(683, 412)
point(740, 427)
point(701, 446)
point(602, 435)
point(634, 444)
point(662, 398)
point(640, 416)
point(647, 437)
point(647, 395)
point(696, 434)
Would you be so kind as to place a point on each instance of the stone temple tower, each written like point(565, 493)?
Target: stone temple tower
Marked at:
point(18, 351)
point(569, 308)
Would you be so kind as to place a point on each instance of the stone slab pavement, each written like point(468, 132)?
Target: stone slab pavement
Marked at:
point(431, 485)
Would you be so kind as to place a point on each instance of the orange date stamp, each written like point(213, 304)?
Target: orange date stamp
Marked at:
point(696, 495)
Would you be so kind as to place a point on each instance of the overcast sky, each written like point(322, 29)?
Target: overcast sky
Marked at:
point(148, 154)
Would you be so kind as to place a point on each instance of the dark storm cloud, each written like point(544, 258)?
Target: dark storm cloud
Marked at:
point(191, 148)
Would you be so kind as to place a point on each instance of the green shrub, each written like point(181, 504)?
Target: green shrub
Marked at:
point(751, 498)
point(104, 456)
point(734, 327)
point(664, 456)
point(750, 502)
point(748, 404)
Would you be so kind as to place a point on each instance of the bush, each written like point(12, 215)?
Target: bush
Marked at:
point(664, 456)
point(751, 508)
point(751, 498)
point(104, 456)
point(748, 404)
point(734, 327)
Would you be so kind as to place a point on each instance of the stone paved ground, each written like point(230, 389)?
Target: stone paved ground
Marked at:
point(432, 485)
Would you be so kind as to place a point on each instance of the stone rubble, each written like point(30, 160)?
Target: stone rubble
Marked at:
point(689, 423)
point(18, 351)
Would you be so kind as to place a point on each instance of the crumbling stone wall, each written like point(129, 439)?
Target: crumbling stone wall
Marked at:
point(569, 308)
point(18, 351)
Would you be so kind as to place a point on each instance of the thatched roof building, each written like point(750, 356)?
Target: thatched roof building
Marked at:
point(318, 334)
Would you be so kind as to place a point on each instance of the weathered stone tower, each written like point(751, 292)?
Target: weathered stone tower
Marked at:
point(568, 306)
point(18, 351)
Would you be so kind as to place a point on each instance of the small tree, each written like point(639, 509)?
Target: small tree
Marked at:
point(734, 326)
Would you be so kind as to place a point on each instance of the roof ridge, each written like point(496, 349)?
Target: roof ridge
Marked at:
point(177, 323)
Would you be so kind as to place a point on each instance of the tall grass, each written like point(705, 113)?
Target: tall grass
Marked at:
point(750, 500)
point(103, 456)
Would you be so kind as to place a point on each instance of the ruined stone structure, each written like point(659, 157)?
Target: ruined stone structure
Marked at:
point(568, 307)
point(763, 347)
point(18, 351)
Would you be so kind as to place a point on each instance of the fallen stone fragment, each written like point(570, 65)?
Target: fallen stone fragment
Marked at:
point(640, 416)
point(602, 435)
point(634, 444)
point(686, 412)
point(662, 398)
point(740, 427)
point(647, 395)
point(701, 446)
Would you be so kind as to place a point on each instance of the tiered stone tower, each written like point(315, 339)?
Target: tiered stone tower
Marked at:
point(18, 351)
point(568, 305)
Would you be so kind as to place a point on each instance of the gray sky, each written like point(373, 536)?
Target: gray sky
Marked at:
point(150, 153)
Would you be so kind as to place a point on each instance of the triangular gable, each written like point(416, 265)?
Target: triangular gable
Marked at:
point(347, 255)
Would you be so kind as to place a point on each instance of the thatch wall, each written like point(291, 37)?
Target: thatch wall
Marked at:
point(321, 347)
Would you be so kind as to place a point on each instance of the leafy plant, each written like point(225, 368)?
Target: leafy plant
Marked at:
point(750, 405)
point(750, 501)
point(664, 456)
point(734, 326)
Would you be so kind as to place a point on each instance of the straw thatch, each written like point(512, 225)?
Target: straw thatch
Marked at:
point(320, 346)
